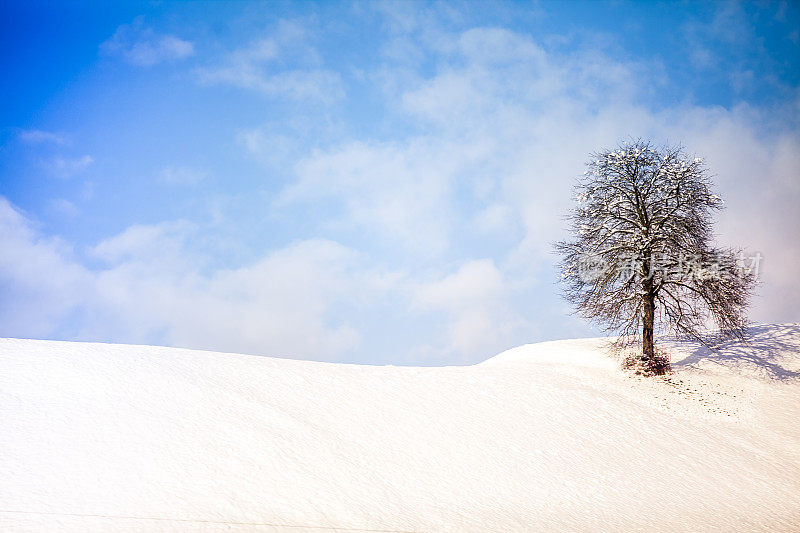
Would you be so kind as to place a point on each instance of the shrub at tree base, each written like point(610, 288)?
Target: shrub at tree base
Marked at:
point(658, 365)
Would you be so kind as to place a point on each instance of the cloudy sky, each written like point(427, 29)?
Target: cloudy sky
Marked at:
point(364, 182)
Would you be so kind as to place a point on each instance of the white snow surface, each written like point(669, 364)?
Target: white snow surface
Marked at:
point(544, 437)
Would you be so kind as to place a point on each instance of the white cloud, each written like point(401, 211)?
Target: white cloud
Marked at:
point(35, 136)
point(757, 172)
point(154, 288)
point(319, 85)
point(39, 279)
point(475, 301)
point(64, 207)
point(145, 243)
point(495, 218)
point(278, 305)
point(67, 167)
point(141, 46)
point(259, 67)
point(508, 127)
point(182, 175)
point(400, 191)
point(267, 146)
point(730, 28)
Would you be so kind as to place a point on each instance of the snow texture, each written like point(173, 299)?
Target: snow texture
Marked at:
point(544, 437)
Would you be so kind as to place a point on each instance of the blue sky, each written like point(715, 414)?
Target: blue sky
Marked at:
point(363, 182)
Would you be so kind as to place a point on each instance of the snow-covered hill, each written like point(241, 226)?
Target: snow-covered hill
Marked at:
point(550, 436)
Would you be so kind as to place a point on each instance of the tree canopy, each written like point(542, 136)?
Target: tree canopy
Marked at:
point(641, 258)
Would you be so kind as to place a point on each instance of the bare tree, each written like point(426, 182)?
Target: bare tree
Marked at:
point(641, 258)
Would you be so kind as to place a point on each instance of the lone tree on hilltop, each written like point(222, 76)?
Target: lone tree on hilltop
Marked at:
point(641, 257)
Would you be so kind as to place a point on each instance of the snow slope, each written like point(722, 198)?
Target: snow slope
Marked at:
point(550, 436)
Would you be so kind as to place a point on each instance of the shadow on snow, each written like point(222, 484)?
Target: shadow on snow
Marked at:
point(765, 348)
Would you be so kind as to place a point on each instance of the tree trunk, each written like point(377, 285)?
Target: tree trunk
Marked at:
point(648, 348)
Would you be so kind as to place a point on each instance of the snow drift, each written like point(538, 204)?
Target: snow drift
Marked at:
point(550, 436)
